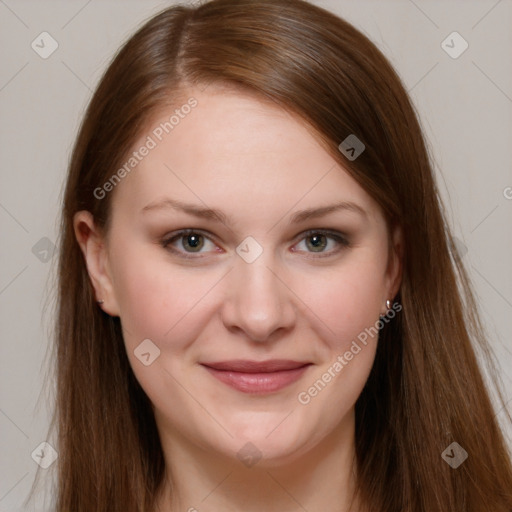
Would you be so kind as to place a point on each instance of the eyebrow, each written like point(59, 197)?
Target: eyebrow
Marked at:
point(219, 216)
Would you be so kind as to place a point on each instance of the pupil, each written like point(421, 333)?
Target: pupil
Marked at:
point(194, 241)
point(318, 242)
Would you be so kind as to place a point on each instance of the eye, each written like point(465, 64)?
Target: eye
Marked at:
point(189, 241)
point(316, 241)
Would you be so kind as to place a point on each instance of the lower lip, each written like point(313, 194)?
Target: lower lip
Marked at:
point(258, 383)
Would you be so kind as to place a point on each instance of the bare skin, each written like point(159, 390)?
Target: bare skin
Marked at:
point(306, 298)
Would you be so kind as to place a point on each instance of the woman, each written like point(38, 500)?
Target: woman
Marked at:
point(258, 305)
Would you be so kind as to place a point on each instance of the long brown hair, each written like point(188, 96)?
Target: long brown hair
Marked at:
point(425, 390)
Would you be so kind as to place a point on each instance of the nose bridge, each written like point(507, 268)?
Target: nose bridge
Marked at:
point(259, 303)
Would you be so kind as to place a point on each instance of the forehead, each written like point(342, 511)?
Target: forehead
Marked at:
point(233, 149)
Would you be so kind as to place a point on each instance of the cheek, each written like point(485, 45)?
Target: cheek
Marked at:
point(347, 300)
point(160, 301)
point(153, 300)
point(348, 304)
point(161, 306)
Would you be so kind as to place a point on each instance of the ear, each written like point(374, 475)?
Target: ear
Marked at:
point(93, 246)
point(395, 262)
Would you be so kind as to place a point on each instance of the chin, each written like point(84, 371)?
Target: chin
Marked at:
point(270, 446)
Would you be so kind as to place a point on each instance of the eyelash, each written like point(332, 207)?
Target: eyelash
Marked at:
point(333, 235)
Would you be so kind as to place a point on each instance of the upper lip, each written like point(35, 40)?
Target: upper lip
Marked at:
point(246, 366)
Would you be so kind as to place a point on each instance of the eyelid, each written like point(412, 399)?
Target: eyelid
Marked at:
point(176, 235)
point(339, 237)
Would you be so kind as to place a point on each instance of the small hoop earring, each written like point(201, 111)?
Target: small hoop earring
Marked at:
point(100, 302)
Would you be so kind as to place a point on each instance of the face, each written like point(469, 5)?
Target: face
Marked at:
point(245, 265)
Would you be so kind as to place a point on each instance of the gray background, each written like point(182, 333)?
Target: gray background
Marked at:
point(465, 105)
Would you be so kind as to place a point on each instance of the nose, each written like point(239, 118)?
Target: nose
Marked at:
point(259, 302)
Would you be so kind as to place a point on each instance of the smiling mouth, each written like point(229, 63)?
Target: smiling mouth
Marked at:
point(257, 377)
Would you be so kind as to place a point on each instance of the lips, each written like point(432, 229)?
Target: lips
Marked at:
point(245, 366)
point(257, 377)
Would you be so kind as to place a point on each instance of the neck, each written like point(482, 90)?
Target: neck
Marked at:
point(206, 481)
